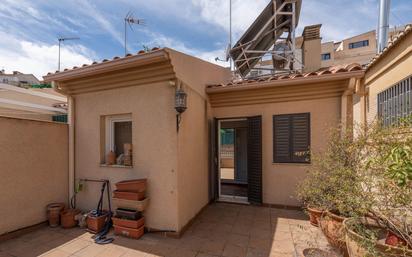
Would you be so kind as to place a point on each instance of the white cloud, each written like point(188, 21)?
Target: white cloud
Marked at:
point(90, 10)
point(38, 58)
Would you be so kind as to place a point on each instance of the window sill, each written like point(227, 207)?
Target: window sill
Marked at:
point(116, 166)
point(292, 163)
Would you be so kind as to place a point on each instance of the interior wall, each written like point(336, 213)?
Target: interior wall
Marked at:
point(280, 180)
point(34, 170)
point(154, 147)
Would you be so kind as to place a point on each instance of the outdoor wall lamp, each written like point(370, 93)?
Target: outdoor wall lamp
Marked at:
point(180, 105)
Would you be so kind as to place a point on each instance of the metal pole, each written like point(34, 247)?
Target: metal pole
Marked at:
point(58, 64)
point(293, 33)
point(230, 31)
point(384, 8)
point(125, 37)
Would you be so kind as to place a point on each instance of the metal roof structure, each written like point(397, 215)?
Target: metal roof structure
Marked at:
point(278, 17)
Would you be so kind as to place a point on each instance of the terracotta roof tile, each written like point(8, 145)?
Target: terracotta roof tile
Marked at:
point(106, 60)
point(324, 71)
point(395, 41)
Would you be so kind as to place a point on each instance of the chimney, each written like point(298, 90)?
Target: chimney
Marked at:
point(311, 48)
point(383, 31)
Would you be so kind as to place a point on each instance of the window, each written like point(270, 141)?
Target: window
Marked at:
point(118, 138)
point(325, 56)
point(358, 44)
point(291, 138)
point(395, 102)
point(60, 118)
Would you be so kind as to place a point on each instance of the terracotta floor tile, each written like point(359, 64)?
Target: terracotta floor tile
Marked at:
point(227, 230)
point(74, 246)
point(234, 251)
point(55, 253)
point(239, 240)
point(213, 247)
point(283, 246)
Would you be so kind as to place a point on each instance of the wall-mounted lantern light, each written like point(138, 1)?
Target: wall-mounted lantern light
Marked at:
point(180, 105)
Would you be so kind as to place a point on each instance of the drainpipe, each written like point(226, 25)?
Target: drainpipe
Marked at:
point(383, 30)
point(71, 120)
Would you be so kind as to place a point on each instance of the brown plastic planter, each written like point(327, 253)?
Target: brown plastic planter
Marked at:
point(128, 195)
point(129, 232)
point(96, 224)
point(68, 218)
point(128, 223)
point(127, 214)
point(136, 185)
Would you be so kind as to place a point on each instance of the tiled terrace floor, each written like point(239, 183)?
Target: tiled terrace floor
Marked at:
point(221, 230)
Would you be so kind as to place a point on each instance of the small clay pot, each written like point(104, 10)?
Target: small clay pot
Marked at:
point(68, 218)
point(53, 214)
point(314, 216)
point(111, 158)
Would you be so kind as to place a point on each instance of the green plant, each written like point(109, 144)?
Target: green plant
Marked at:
point(385, 169)
point(332, 182)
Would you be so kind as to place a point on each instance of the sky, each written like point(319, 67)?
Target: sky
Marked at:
point(29, 28)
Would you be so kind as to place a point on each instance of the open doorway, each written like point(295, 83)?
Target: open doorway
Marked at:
point(233, 167)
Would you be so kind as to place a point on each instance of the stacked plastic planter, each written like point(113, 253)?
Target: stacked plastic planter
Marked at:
point(130, 199)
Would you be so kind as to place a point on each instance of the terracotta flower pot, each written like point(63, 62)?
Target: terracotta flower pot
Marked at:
point(128, 223)
point(314, 216)
point(129, 232)
point(96, 224)
point(135, 185)
point(358, 245)
point(53, 213)
point(68, 218)
point(332, 227)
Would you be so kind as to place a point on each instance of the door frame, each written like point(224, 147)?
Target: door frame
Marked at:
point(230, 198)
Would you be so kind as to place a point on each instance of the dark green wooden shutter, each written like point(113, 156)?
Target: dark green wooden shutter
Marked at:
point(281, 138)
point(291, 138)
point(300, 137)
point(254, 159)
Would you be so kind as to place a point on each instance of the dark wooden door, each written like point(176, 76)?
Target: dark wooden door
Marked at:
point(254, 159)
point(213, 161)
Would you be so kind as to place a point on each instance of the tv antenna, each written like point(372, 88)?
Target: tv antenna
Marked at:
point(62, 39)
point(130, 20)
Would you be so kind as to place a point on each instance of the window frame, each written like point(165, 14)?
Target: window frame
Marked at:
point(388, 99)
point(362, 43)
point(110, 121)
point(291, 146)
point(325, 54)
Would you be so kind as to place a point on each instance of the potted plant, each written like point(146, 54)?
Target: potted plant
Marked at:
point(334, 186)
point(386, 172)
point(311, 192)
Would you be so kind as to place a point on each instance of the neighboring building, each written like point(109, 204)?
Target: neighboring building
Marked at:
point(32, 103)
point(357, 49)
point(18, 79)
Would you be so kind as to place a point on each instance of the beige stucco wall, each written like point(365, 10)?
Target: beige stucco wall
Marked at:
point(193, 168)
point(34, 170)
point(193, 137)
point(389, 70)
point(154, 146)
point(279, 180)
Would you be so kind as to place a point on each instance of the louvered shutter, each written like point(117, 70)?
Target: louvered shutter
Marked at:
point(254, 159)
point(291, 138)
point(300, 137)
point(281, 138)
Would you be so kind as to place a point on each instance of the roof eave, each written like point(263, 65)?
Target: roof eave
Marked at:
point(105, 66)
point(287, 82)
